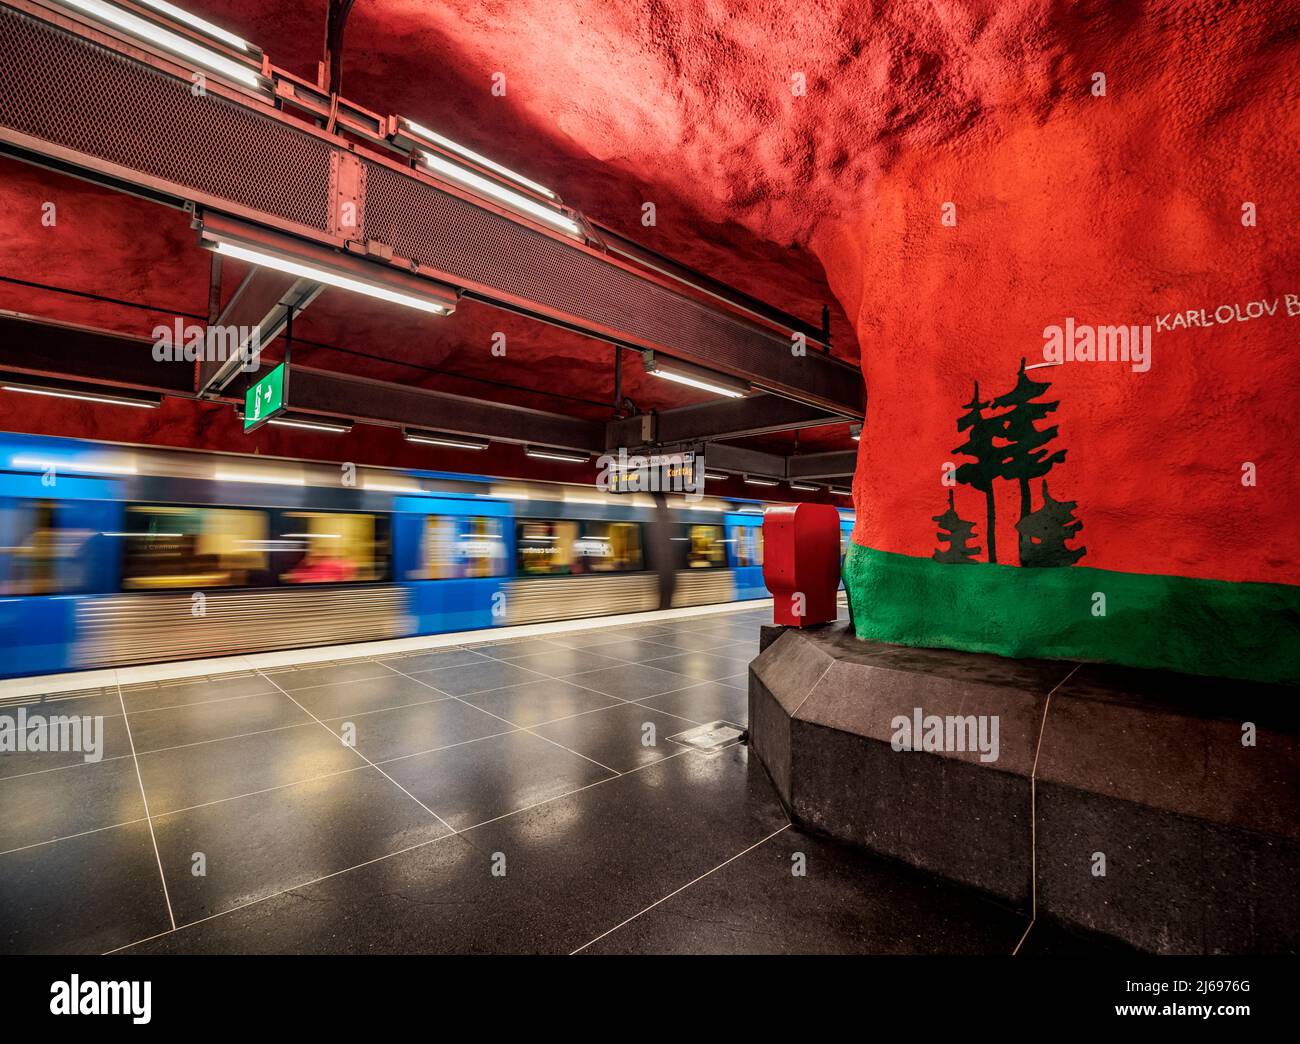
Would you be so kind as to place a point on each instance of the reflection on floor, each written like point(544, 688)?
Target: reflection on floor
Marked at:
point(518, 796)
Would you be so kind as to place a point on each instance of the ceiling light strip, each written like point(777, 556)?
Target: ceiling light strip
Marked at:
point(178, 45)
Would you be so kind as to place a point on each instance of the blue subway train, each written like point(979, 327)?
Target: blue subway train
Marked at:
point(113, 555)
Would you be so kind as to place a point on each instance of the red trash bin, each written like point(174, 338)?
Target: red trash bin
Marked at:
point(801, 562)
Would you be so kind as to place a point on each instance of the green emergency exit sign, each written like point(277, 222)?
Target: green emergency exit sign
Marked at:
point(265, 397)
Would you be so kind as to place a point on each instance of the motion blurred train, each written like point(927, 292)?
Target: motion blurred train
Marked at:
point(113, 554)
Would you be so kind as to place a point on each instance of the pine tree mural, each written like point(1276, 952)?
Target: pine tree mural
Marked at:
point(1044, 533)
point(1026, 459)
point(957, 533)
point(987, 465)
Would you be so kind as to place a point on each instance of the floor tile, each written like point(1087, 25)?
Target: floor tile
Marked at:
point(111, 736)
point(624, 737)
point(410, 730)
point(412, 663)
point(588, 639)
point(92, 701)
point(439, 898)
point(182, 693)
point(603, 854)
point(327, 674)
point(520, 647)
point(631, 650)
point(367, 694)
point(199, 722)
point(844, 902)
point(705, 702)
point(539, 700)
point(699, 665)
point(476, 677)
point(559, 662)
point(632, 681)
point(49, 805)
point(87, 894)
point(194, 775)
point(692, 640)
point(479, 781)
point(256, 846)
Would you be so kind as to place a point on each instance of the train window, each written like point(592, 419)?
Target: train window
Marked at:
point(461, 547)
point(552, 547)
point(317, 547)
point(699, 547)
point(167, 547)
point(607, 547)
point(544, 548)
point(37, 555)
point(748, 545)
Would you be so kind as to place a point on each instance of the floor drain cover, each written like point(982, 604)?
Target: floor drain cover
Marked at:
point(711, 737)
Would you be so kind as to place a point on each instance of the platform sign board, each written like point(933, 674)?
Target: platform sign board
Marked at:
point(654, 473)
point(266, 397)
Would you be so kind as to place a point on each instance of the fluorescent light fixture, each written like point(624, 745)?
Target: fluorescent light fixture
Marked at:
point(841, 491)
point(441, 438)
point(755, 480)
point(485, 187)
point(85, 393)
point(804, 487)
point(715, 476)
point(165, 38)
point(694, 376)
point(322, 275)
point(481, 160)
point(546, 453)
point(308, 423)
point(142, 534)
point(311, 536)
point(265, 477)
point(195, 22)
point(80, 467)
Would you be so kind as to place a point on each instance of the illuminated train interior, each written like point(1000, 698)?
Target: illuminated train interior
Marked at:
point(113, 555)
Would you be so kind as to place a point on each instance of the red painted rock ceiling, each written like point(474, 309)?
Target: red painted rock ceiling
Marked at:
point(1114, 208)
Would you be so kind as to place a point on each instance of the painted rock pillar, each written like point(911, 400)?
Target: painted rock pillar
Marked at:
point(1081, 342)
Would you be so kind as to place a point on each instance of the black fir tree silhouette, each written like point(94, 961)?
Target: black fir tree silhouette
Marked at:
point(956, 532)
point(1043, 533)
point(1026, 459)
point(988, 463)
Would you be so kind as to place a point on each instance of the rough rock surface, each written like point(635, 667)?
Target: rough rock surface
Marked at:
point(1111, 209)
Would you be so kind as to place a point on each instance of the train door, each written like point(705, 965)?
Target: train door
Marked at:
point(56, 549)
point(745, 554)
point(453, 556)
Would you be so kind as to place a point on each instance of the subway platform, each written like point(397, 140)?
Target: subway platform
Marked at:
point(536, 793)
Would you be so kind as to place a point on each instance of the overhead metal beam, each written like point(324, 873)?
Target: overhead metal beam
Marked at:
point(33, 346)
point(259, 310)
point(724, 419)
point(316, 391)
point(37, 346)
point(833, 464)
point(298, 176)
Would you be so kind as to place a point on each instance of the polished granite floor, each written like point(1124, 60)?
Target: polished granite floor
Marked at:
point(518, 796)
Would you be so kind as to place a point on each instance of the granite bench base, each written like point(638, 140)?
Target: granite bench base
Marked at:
point(1156, 808)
